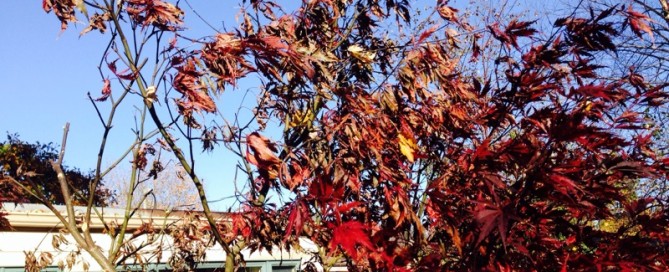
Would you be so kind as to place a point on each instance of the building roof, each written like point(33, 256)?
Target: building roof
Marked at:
point(37, 217)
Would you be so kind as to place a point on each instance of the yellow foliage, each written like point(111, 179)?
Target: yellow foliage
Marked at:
point(360, 54)
point(407, 147)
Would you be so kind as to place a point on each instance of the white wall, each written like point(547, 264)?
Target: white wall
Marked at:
point(13, 244)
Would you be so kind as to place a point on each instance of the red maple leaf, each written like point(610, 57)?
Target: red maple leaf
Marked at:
point(349, 236)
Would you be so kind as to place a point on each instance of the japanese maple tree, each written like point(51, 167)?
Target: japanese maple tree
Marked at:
point(395, 152)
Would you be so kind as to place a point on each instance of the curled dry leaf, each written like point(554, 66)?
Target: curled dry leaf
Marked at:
point(263, 156)
point(639, 22)
point(45, 259)
point(64, 10)
point(125, 74)
point(97, 22)
point(150, 96)
point(448, 13)
point(160, 14)
point(140, 159)
point(361, 54)
point(106, 90)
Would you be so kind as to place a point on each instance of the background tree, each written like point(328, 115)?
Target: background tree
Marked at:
point(171, 189)
point(31, 163)
point(394, 153)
